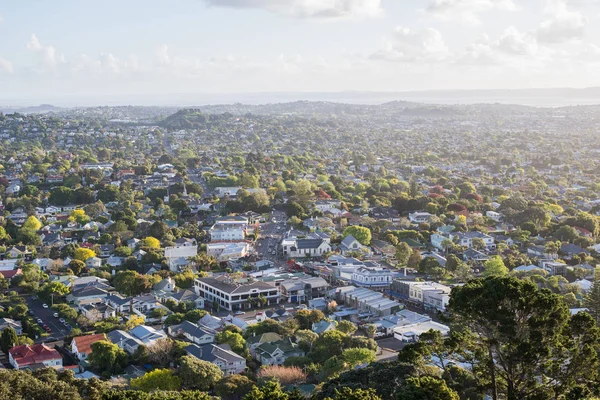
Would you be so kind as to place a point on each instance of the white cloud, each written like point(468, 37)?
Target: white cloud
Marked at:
point(49, 57)
point(6, 66)
point(562, 24)
point(408, 45)
point(467, 10)
point(308, 8)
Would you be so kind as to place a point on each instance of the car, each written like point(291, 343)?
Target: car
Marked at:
point(65, 323)
point(62, 320)
point(47, 329)
point(45, 305)
point(44, 326)
point(39, 321)
point(31, 312)
point(55, 315)
point(34, 297)
point(239, 313)
point(50, 339)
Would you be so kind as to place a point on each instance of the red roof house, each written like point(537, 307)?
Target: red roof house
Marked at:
point(26, 356)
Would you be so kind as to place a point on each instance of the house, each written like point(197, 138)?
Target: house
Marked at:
point(298, 248)
point(9, 275)
point(11, 323)
point(299, 290)
point(18, 252)
point(553, 267)
point(569, 249)
point(279, 314)
point(466, 239)
point(93, 262)
point(275, 353)
point(232, 295)
point(323, 326)
point(88, 293)
point(365, 300)
point(419, 217)
point(372, 277)
point(176, 255)
point(147, 335)
point(81, 346)
point(351, 245)
point(225, 251)
point(192, 332)
point(97, 312)
point(230, 228)
point(220, 355)
point(26, 356)
point(411, 333)
point(211, 322)
point(166, 285)
point(186, 296)
point(124, 340)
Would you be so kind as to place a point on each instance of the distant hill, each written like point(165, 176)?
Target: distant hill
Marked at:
point(42, 108)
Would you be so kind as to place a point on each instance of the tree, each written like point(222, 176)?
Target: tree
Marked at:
point(158, 379)
point(233, 339)
point(308, 317)
point(32, 223)
point(269, 391)
point(358, 394)
point(198, 374)
point(194, 315)
point(495, 267)
point(51, 289)
point(427, 387)
point(82, 254)
point(478, 243)
point(329, 344)
point(76, 266)
point(8, 339)
point(131, 283)
point(158, 230)
point(403, 253)
point(360, 233)
point(107, 357)
point(524, 338)
point(306, 338)
point(592, 297)
point(358, 356)
point(346, 327)
point(151, 242)
point(415, 259)
point(133, 321)
point(233, 387)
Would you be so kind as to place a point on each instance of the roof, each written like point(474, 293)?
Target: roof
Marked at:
point(84, 343)
point(231, 287)
point(309, 243)
point(191, 329)
point(37, 353)
point(212, 352)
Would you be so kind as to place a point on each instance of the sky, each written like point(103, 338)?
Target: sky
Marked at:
point(102, 48)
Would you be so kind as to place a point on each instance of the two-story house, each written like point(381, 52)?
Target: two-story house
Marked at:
point(220, 355)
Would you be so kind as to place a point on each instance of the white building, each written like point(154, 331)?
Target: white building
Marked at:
point(229, 228)
point(419, 217)
point(225, 251)
point(298, 248)
point(233, 295)
point(372, 277)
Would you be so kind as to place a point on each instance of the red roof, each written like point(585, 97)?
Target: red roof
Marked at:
point(84, 343)
point(38, 353)
point(11, 273)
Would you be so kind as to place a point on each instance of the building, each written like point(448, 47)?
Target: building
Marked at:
point(429, 294)
point(411, 333)
point(225, 251)
point(366, 300)
point(11, 323)
point(419, 217)
point(220, 355)
point(192, 332)
point(300, 290)
point(232, 295)
point(275, 353)
point(178, 256)
point(229, 229)
point(466, 239)
point(26, 356)
point(374, 277)
point(81, 346)
point(351, 245)
point(299, 248)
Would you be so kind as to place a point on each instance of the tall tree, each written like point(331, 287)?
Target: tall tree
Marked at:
point(495, 267)
point(8, 339)
point(592, 297)
point(403, 253)
point(198, 374)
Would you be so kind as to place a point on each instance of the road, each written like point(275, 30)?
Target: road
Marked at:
point(271, 234)
point(45, 314)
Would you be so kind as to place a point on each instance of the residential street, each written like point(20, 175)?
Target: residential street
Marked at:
point(45, 314)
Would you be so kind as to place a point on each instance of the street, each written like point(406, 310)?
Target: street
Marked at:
point(59, 331)
point(271, 233)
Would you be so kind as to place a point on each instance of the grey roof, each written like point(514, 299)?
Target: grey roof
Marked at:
point(192, 329)
point(212, 352)
point(309, 243)
point(184, 295)
point(233, 287)
point(348, 240)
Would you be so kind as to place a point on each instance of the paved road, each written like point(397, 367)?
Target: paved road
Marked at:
point(271, 234)
point(45, 314)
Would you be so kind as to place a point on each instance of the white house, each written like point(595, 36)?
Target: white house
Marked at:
point(26, 356)
point(419, 217)
point(372, 277)
point(81, 346)
point(192, 332)
point(298, 248)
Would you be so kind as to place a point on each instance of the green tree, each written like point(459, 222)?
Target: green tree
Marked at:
point(32, 223)
point(233, 387)
point(358, 356)
point(495, 267)
point(107, 357)
point(151, 242)
point(426, 388)
point(308, 317)
point(524, 338)
point(233, 339)
point(82, 254)
point(346, 327)
point(359, 394)
point(158, 379)
point(8, 339)
point(360, 233)
point(76, 266)
point(403, 253)
point(592, 297)
point(198, 374)
point(131, 283)
point(269, 391)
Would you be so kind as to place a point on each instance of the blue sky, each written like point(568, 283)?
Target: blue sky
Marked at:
point(72, 48)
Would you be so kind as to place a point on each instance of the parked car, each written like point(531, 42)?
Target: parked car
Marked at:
point(39, 321)
point(55, 315)
point(239, 313)
point(45, 305)
point(62, 320)
point(31, 312)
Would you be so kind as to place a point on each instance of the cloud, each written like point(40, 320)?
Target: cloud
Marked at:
point(6, 66)
point(467, 10)
point(324, 9)
point(562, 24)
point(49, 57)
point(408, 45)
